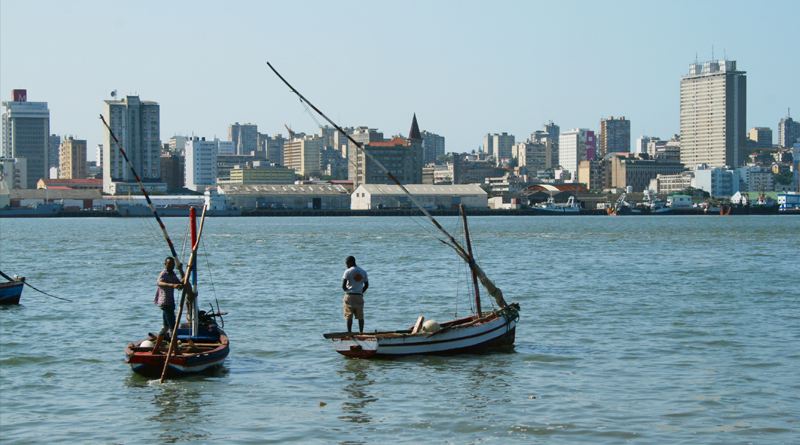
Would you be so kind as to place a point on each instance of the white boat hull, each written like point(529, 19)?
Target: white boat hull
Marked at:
point(494, 333)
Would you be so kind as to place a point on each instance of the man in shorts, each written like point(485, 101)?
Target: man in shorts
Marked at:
point(354, 284)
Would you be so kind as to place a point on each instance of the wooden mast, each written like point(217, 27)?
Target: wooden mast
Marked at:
point(186, 291)
point(463, 210)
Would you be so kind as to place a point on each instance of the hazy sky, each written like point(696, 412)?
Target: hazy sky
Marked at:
point(465, 68)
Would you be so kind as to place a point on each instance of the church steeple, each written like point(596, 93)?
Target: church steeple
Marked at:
point(414, 132)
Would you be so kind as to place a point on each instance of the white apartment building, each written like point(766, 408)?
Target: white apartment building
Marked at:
point(756, 179)
point(719, 182)
point(573, 147)
point(136, 124)
point(225, 147)
point(201, 164)
point(713, 114)
point(641, 144)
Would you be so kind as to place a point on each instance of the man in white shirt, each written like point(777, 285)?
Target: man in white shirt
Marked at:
point(354, 284)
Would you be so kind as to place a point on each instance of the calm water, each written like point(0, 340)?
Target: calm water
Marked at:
point(633, 329)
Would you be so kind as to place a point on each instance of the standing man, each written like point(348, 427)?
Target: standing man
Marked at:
point(354, 284)
point(167, 283)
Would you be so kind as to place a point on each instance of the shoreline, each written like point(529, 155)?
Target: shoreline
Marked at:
point(396, 212)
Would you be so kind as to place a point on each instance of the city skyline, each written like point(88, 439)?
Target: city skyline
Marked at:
point(465, 70)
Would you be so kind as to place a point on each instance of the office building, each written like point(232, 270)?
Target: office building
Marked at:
point(26, 134)
point(432, 147)
point(575, 146)
point(761, 137)
point(718, 182)
point(54, 147)
point(499, 146)
point(641, 145)
point(14, 172)
point(303, 155)
point(173, 170)
point(201, 164)
point(788, 132)
point(72, 156)
point(244, 137)
point(136, 124)
point(402, 157)
point(615, 135)
point(534, 155)
point(713, 114)
point(356, 159)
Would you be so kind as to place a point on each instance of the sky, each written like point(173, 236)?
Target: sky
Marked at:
point(465, 68)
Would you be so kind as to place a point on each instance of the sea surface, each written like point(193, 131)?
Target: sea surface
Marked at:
point(641, 329)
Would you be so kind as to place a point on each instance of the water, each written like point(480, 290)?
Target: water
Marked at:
point(633, 329)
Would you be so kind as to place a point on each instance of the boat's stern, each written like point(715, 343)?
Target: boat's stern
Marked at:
point(356, 346)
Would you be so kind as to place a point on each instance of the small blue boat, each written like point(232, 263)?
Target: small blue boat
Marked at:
point(11, 291)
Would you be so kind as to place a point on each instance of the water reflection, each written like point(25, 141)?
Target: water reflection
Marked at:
point(358, 383)
point(181, 407)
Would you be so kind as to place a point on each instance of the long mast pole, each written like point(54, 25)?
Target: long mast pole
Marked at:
point(490, 287)
point(471, 261)
point(146, 197)
point(461, 252)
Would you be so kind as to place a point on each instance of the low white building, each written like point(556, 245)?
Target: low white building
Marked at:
point(678, 201)
point(429, 196)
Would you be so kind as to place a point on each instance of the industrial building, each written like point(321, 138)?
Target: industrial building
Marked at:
point(429, 196)
point(287, 196)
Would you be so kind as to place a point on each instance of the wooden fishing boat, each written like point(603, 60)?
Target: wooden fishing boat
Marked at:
point(197, 346)
point(478, 333)
point(11, 291)
point(493, 331)
point(194, 353)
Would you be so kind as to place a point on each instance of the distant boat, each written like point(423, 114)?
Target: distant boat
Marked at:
point(551, 207)
point(11, 291)
point(34, 210)
point(622, 207)
point(651, 204)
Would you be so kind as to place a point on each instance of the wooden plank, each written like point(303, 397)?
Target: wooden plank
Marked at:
point(418, 325)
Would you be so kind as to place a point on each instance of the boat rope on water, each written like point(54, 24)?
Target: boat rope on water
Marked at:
point(30, 286)
point(146, 197)
point(493, 290)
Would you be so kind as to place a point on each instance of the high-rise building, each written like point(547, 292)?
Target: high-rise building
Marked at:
point(641, 144)
point(136, 124)
point(201, 164)
point(357, 162)
point(713, 114)
point(172, 170)
point(432, 146)
point(499, 146)
point(244, 137)
point(575, 146)
point(177, 144)
point(26, 134)
point(615, 135)
point(54, 147)
point(402, 157)
point(72, 158)
point(275, 149)
point(761, 137)
point(788, 132)
point(303, 155)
